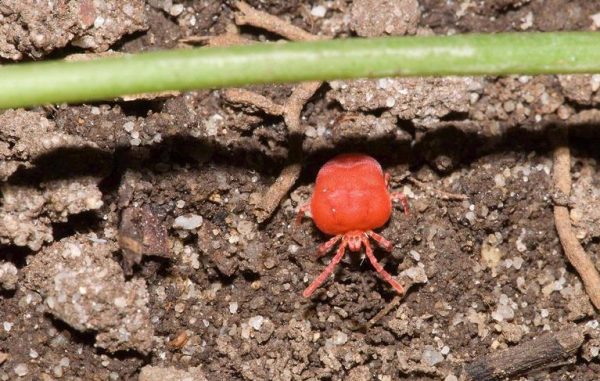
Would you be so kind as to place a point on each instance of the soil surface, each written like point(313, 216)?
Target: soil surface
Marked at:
point(130, 241)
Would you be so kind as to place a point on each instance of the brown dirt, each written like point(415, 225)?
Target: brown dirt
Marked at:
point(225, 301)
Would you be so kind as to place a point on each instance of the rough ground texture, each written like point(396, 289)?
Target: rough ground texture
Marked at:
point(129, 248)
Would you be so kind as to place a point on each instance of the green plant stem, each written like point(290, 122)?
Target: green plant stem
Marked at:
point(23, 85)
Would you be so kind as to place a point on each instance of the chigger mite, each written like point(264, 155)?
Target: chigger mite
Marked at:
point(350, 200)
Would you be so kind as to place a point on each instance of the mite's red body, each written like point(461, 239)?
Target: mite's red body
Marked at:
point(350, 199)
point(350, 194)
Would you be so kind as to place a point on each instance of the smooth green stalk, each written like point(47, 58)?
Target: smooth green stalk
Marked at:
point(24, 85)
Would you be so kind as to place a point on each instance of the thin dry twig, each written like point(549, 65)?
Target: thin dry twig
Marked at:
point(229, 38)
point(443, 195)
point(295, 103)
point(290, 111)
point(548, 349)
point(255, 100)
point(573, 250)
point(271, 199)
point(263, 20)
point(385, 310)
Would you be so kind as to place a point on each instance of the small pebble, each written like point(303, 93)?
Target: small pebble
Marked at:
point(120, 302)
point(128, 126)
point(416, 274)
point(21, 370)
point(430, 356)
point(233, 307)
point(245, 227)
point(64, 362)
point(503, 313)
point(415, 255)
point(176, 10)
point(340, 338)
point(517, 262)
point(256, 322)
point(470, 216)
point(188, 222)
point(58, 371)
point(318, 11)
point(311, 132)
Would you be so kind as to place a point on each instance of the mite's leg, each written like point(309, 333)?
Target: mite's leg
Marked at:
point(380, 270)
point(381, 241)
point(325, 247)
point(387, 179)
point(323, 276)
point(399, 196)
point(301, 212)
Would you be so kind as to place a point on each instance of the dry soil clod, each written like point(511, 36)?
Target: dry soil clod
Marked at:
point(573, 250)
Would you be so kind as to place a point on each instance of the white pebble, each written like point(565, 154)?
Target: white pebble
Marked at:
point(416, 274)
point(233, 307)
point(176, 10)
point(21, 370)
point(7, 326)
point(188, 222)
point(415, 255)
point(245, 227)
point(340, 338)
point(311, 132)
point(256, 322)
point(318, 11)
point(128, 126)
point(517, 262)
point(120, 302)
point(99, 21)
point(64, 362)
point(470, 216)
point(430, 356)
point(503, 313)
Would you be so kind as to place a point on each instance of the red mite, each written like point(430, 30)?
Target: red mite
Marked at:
point(350, 199)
